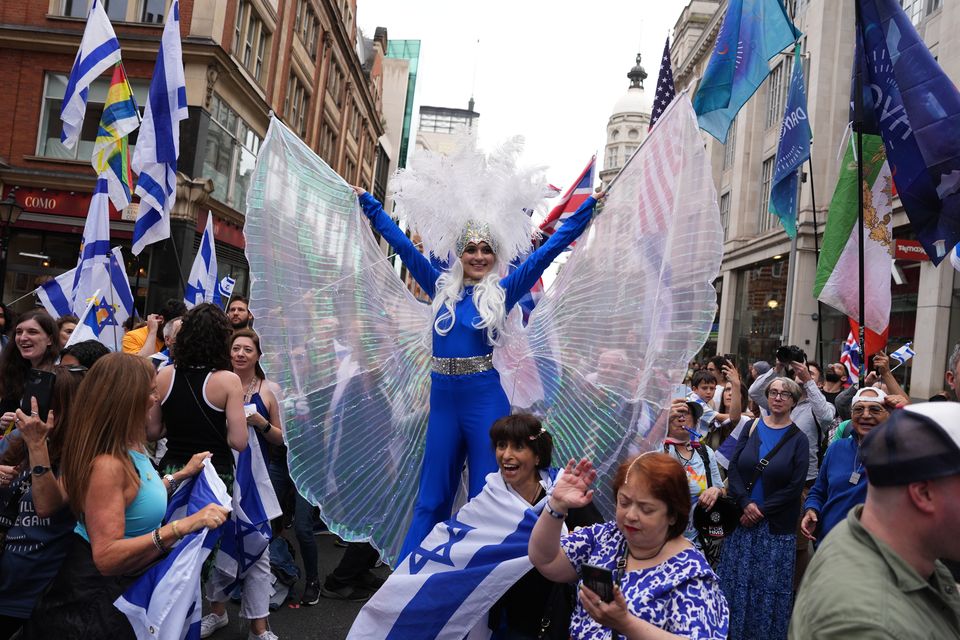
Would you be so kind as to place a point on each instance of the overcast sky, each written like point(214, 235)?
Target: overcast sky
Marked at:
point(550, 71)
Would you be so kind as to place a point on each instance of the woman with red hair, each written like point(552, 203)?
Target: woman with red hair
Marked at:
point(661, 582)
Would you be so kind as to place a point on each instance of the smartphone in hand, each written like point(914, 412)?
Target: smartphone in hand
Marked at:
point(598, 580)
point(39, 385)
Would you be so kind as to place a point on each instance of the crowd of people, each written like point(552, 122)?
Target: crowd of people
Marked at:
point(761, 468)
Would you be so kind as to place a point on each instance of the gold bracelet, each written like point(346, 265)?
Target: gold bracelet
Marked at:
point(176, 532)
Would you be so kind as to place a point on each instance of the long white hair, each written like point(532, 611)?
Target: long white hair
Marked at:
point(488, 297)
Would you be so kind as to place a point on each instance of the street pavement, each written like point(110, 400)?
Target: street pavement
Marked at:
point(327, 620)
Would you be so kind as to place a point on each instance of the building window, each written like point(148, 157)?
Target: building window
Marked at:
point(933, 5)
point(777, 92)
point(48, 141)
point(725, 213)
point(307, 26)
point(730, 147)
point(328, 142)
point(296, 105)
point(443, 122)
point(250, 39)
point(765, 218)
point(152, 11)
point(230, 155)
point(913, 9)
point(335, 83)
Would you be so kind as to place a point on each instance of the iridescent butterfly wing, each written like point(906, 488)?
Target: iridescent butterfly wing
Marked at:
point(343, 339)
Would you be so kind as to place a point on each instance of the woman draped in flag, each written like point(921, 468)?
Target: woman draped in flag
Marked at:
point(470, 213)
point(119, 500)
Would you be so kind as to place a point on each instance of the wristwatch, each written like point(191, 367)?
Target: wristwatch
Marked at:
point(172, 483)
point(266, 428)
point(39, 470)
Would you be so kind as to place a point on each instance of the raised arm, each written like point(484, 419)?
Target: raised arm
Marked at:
point(525, 276)
point(418, 264)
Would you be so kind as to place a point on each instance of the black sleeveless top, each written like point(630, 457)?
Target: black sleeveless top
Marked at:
point(193, 425)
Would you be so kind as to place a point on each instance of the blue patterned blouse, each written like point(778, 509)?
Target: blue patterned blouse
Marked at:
point(680, 595)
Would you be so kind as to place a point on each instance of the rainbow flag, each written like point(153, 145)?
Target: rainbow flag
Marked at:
point(110, 157)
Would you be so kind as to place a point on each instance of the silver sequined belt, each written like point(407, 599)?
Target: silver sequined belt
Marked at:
point(462, 366)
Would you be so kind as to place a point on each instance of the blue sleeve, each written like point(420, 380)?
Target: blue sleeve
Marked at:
point(790, 494)
point(736, 485)
point(418, 264)
point(518, 283)
point(578, 545)
point(818, 492)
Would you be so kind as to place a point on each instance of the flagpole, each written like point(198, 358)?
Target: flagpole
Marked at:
point(858, 131)
point(136, 288)
point(816, 252)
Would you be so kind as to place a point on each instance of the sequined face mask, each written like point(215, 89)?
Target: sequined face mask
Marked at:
point(476, 233)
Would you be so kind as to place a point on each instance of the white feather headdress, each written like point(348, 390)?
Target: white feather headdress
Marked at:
point(443, 197)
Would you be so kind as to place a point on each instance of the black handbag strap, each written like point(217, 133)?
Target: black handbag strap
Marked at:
point(702, 450)
point(792, 431)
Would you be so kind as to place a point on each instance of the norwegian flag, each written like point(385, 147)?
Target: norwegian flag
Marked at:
point(850, 357)
point(666, 91)
point(571, 200)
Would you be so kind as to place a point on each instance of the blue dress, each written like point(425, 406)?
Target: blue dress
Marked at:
point(463, 407)
point(681, 594)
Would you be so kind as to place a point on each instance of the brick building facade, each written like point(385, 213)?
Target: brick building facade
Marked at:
point(302, 60)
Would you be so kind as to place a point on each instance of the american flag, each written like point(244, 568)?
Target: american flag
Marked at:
point(850, 357)
point(665, 89)
point(571, 200)
point(658, 175)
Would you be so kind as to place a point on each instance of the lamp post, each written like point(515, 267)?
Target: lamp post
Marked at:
point(9, 212)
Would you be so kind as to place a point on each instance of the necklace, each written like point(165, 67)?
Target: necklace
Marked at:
point(676, 450)
point(650, 557)
point(249, 392)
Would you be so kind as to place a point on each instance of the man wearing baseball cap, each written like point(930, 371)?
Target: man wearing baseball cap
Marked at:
point(878, 574)
point(842, 483)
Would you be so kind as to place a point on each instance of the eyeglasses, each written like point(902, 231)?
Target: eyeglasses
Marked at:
point(783, 395)
point(874, 410)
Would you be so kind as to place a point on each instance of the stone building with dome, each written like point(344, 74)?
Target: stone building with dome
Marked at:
point(628, 124)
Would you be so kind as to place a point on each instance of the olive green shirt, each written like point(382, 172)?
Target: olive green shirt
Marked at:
point(858, 587)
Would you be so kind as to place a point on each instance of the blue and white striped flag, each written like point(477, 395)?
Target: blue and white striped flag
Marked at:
point(99, 50)
point(202, 283)
point(247, 534)
point(445, 588)
point(903, 354)
point(164, 603)
point(158, 146)
point(226, 287)
point(100, 278)
point(56, 295)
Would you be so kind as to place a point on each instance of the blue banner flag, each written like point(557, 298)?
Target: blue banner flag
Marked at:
point(915, 108)
point(202, 284)
point(792, 152)
point(158, 146)
point(753, 31)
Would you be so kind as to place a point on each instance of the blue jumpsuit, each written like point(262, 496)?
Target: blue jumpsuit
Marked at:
point(463, 407)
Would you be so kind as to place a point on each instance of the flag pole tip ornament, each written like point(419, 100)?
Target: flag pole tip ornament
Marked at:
point(467, 196)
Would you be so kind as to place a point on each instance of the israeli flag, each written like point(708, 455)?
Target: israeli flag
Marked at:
point(56, 296)
point(903, 354)
point(247, 534)
point(99, 50)
point(158, 145)
point(164, 603)
point(446, 587)
point(226, 287)
point(202, 284)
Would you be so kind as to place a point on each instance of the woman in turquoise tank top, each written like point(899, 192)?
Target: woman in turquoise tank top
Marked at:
point(119, 500)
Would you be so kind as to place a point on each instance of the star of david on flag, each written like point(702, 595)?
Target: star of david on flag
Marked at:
point(202, 285)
